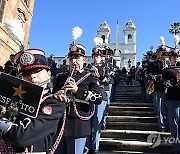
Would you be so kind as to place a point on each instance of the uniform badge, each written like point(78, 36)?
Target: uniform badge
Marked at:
point(27, 58)
point(73, 48)
point(47, 110)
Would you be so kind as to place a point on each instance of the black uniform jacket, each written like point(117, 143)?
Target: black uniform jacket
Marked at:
point(39, 131)
point(171, 83)
point(146, 67)
point(9, 68)
point(104, 79)
point(74, 125)
point(155, 70)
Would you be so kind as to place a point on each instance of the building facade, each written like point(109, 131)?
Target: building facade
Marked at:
point(14, 9)
point(124, 53)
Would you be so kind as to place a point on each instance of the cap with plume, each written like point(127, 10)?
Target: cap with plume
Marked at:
point(162, 40)
point(98, 41)
point(176, 39)
point(76, 33)
point(163, 46)
point(15, 29)
point(76, 49)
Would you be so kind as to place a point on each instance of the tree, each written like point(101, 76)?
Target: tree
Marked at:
point(175, 28)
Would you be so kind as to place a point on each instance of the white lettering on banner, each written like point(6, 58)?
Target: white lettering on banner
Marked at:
point(23, 106)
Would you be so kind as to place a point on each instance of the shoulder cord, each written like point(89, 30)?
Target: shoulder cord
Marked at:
point(60, 133)
point(26, 150)
point(58, 140)
point(82, 117)
point(74, 104)
point(6, 147)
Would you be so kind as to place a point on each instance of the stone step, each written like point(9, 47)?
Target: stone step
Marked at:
point(128, 152)
point(128, 95)
point(132, 134)
point(130, 119)
point(132, 126)
point(134, 145)
point(128, 88)
point(129, 103)
point(131, 113)
point(129, 91)
point(125, 99)
point(128, 98)
point(136, 92)
point(128, 108)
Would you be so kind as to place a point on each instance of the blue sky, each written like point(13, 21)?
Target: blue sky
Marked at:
point(53, 21)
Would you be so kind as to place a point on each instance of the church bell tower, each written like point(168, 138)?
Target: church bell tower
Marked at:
point(104, 32)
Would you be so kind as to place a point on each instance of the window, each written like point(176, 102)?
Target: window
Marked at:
point(129, 38)
point(103, 37)
point(26, 2)
point(2, 5)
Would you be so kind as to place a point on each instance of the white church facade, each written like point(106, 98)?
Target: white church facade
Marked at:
point(124, 53)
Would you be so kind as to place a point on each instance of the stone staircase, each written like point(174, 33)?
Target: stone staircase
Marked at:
point(132, 126)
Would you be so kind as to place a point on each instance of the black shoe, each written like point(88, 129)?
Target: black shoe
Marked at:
point(103, 127)
point(86, 151)
point(92, 152)
point(162, 129)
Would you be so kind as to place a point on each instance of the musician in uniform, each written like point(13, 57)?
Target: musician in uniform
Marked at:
point(145, 66)
point(171, 77)
point(155, 77)
point(107, 88)
point(26, 134)
point(11, 66)
point(101, 71)
point(84, 90)
point(141, 82)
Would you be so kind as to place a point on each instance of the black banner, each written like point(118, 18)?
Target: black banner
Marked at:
point(20, 94)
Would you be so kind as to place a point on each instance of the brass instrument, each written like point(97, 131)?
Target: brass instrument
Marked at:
point(150, 88)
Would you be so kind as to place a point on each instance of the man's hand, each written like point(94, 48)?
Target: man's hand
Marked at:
point(178, 76)
point(60, 95)
point(95, 69)
point(71, 85)
point(150, 81)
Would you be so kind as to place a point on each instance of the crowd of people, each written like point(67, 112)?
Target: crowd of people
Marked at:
point(74, 104)
point(76, 98)
point(159, 82)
